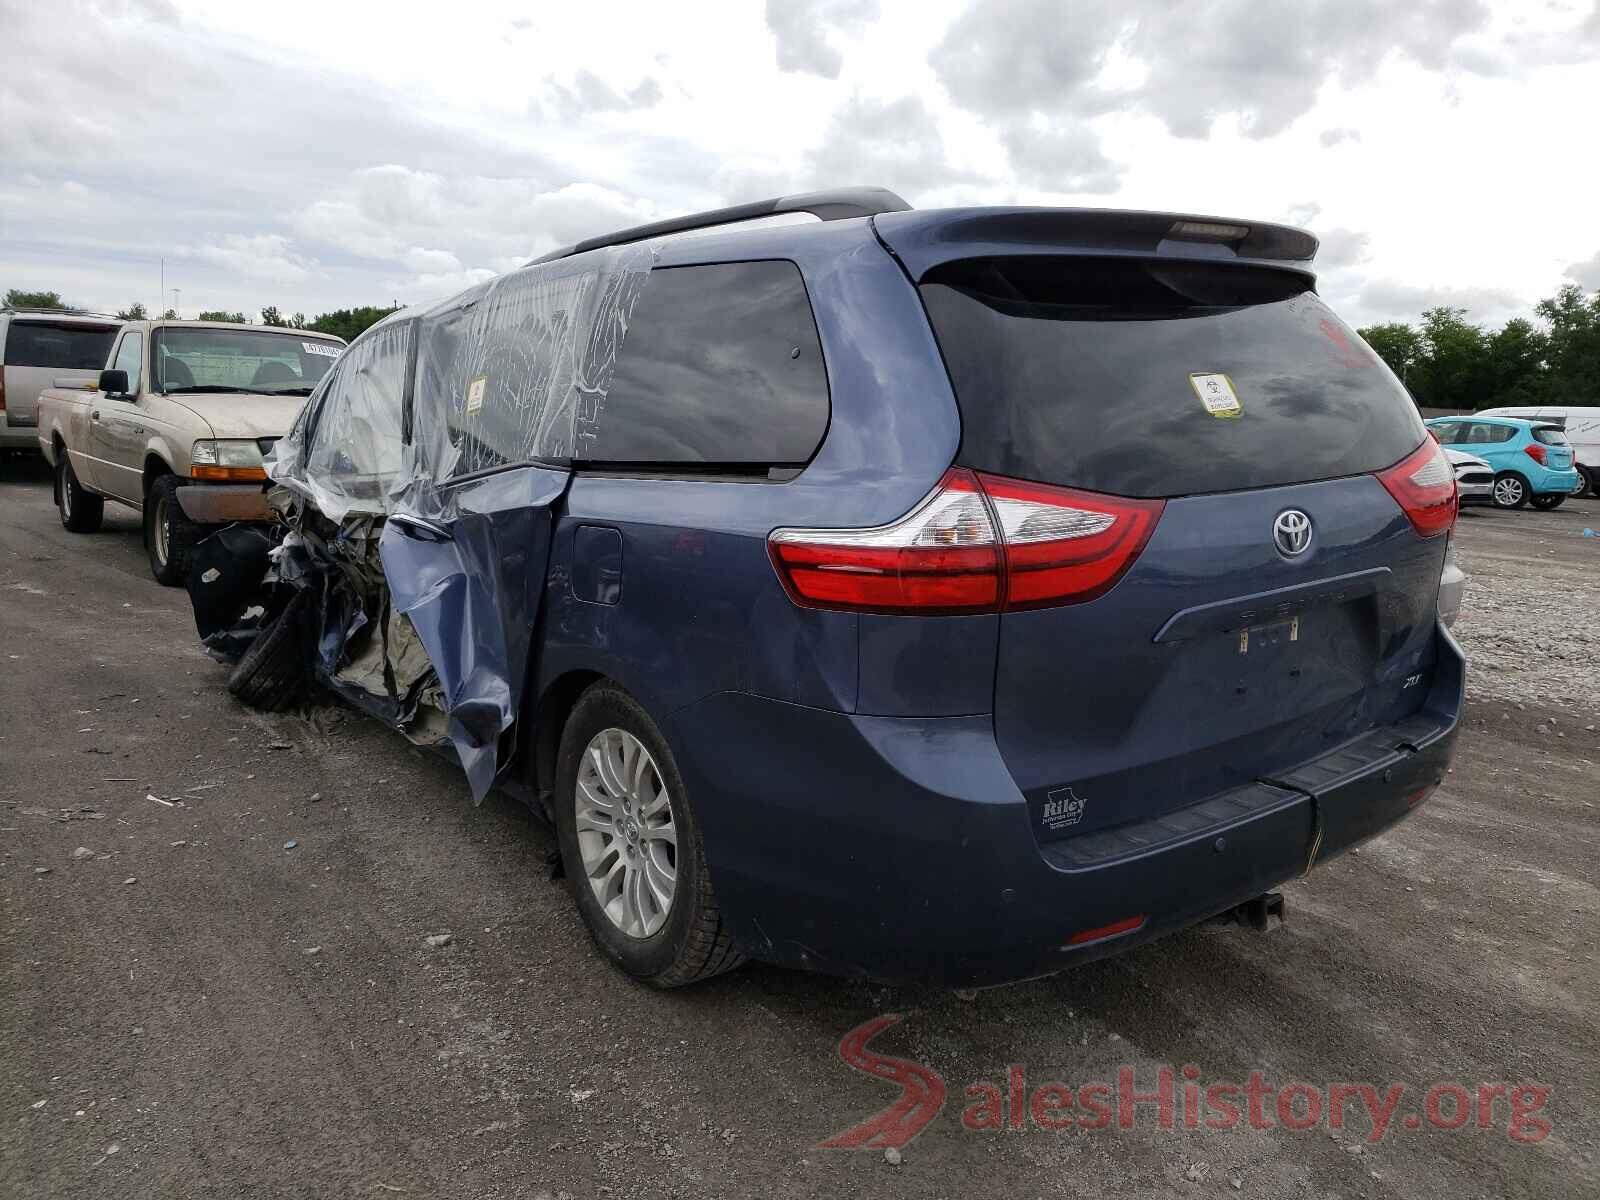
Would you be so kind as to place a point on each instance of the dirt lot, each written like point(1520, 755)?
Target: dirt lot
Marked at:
point(232, 995)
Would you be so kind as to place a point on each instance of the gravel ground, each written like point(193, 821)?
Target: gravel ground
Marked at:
point(245, 991)
point(1531, 630)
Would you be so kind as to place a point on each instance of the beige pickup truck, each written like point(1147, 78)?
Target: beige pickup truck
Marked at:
point(176, 427)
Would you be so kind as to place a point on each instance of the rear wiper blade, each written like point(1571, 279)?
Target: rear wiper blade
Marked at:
point(294, 391)
point(210, 387)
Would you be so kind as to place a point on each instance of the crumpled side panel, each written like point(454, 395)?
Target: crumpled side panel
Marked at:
point(511, 374)
point(474, 601)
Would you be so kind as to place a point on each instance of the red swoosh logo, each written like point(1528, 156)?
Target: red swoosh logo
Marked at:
point(921, 1096)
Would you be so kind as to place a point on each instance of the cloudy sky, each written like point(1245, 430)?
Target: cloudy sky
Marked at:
point(318, 155)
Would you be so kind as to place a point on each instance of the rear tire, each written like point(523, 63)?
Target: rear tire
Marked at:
point(81, 511)
point(1591, 481)
point(1510, 490)
point(691, 942)
point(1548, 501)
point(169, 536)
point(274, 670)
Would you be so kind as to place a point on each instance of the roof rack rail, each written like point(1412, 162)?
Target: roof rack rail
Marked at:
point(836, 204)
point(45, 310)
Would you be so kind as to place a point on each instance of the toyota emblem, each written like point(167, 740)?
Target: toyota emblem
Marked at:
point(1292, 532)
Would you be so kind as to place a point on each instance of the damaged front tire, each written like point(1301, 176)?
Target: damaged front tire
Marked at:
point(274, 670)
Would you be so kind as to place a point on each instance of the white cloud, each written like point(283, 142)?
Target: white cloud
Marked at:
point(1342, 248)
point(1586, 274)
point(369, 163)
point(802, 29)
point(894, 143)
point(265, 257)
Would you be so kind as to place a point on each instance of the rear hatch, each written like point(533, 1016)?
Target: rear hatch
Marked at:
point(1284, 603)
point(1556, 449)
point(42, 352)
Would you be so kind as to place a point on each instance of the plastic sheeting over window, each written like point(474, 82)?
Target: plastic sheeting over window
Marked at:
point(354, 422)
point(515, 370)
point(518, 369)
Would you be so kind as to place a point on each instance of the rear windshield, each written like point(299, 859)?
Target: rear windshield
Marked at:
point(63, 345)
point(1550, 436)
point(1145, 378)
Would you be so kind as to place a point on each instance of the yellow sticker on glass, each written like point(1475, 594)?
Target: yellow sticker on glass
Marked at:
point(1216, 393)
point(475, 391)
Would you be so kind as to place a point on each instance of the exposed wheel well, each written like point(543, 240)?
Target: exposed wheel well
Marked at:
point(547, 717)
point(154, 468)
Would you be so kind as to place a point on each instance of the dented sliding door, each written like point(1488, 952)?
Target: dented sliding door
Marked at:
point(469, 576)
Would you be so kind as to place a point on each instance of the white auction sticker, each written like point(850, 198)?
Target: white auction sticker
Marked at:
point(326, 349)
point(1216, 393)
point(475, 393)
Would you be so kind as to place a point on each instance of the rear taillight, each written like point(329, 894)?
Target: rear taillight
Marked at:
point(977, 543)
point(1424, 486)
point(941, 557)
point(1536, 452)
point(1064, 546)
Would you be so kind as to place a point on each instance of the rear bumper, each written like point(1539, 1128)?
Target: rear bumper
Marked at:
point(14, 435)
point(224, 503)
point(1546, 482)
point(900, 848)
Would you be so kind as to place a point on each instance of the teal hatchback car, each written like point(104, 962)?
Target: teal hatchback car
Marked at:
point(1532, 460)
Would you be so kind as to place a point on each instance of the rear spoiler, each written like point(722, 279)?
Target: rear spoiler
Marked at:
point(924, 239)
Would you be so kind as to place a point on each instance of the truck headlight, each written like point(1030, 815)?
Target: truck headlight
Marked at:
point(231, 460)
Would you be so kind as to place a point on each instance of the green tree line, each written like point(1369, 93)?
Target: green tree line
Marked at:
point(1448, 362)
point(342, 322)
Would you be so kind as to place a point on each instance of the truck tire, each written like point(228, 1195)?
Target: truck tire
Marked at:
point(81, 511)
point(274, 670)
point(169, 536)
point(689, 941)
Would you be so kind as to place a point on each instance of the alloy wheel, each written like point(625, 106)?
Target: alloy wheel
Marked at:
point(1508, 492)
point(626, 835)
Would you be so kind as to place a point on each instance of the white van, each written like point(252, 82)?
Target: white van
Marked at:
point(1582, 425)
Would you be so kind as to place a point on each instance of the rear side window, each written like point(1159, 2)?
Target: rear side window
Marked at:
point(1482, 434)
point(60, 344)
point(1152, 379)
point(1550, 437)
point(720, 366)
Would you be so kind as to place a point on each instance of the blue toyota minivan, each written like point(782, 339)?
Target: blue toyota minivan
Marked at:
point(950, 595)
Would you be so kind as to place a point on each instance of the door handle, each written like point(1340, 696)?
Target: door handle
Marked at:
point(94, 414)
point(416, 527)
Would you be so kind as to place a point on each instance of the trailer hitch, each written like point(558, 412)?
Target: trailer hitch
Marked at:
point(1256, 913)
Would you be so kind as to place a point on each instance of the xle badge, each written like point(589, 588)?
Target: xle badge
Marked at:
point(1062, 808)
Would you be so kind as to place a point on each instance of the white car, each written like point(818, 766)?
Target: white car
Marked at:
point(1474, 476)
